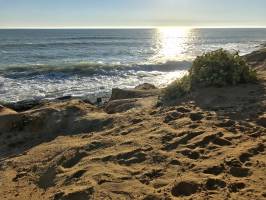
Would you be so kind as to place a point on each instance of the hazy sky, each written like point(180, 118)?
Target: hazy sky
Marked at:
point(128, 13)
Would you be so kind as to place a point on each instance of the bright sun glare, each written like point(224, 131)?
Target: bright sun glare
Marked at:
point(172, 42)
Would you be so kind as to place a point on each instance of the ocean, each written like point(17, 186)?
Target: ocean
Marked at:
point(46, 64)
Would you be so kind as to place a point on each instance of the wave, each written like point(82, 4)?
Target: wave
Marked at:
point(74, 43)
point(89, 69)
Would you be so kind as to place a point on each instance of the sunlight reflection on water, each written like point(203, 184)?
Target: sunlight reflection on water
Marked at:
point(171, 43)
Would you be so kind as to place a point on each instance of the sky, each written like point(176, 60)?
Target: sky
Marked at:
point(131, 13)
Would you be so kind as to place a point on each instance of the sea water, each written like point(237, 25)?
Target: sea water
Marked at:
point(37, 64)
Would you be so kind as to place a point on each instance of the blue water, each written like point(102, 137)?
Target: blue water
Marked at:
point(53, 63)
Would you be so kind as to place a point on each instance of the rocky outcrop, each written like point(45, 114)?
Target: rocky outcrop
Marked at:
point(122, 100)
point(118, 106)
point(141, 91)
point(146, 86)
point(256, 56)
point(49, 121)
point(6, 111)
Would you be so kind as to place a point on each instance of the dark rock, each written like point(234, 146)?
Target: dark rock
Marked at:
point(64, 98)
point(184, 188)
point(146, 86)
point(24, 105)
point(256, 56)
point(132, 93)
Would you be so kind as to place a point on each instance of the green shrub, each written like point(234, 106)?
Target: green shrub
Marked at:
point(217, 68)
point(220, 68)
point(177, 88)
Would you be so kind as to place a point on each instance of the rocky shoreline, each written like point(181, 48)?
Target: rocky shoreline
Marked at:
point(209, 145)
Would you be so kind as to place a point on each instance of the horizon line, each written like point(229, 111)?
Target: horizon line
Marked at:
point(130, 27)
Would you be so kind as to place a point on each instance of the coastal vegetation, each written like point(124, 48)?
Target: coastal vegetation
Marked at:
point(213, 69)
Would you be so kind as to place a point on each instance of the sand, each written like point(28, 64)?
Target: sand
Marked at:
point(211, 145)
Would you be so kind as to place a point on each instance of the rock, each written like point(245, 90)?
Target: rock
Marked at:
point(132, 93)
point(63, 98)
point(118, 106)
point(146, 86)
point(24, 105)
point(6, 111)
point(123, 105)
point(54, 118)
point(184, 188)
point(256, 56)
point(262, 121)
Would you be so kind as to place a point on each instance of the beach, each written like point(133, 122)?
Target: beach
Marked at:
point(208, 145)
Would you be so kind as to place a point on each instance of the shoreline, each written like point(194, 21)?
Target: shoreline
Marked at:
point(23, 105)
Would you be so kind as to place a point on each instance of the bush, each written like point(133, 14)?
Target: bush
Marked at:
point(217, 68)
point(220, 68)
point(178, 88)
